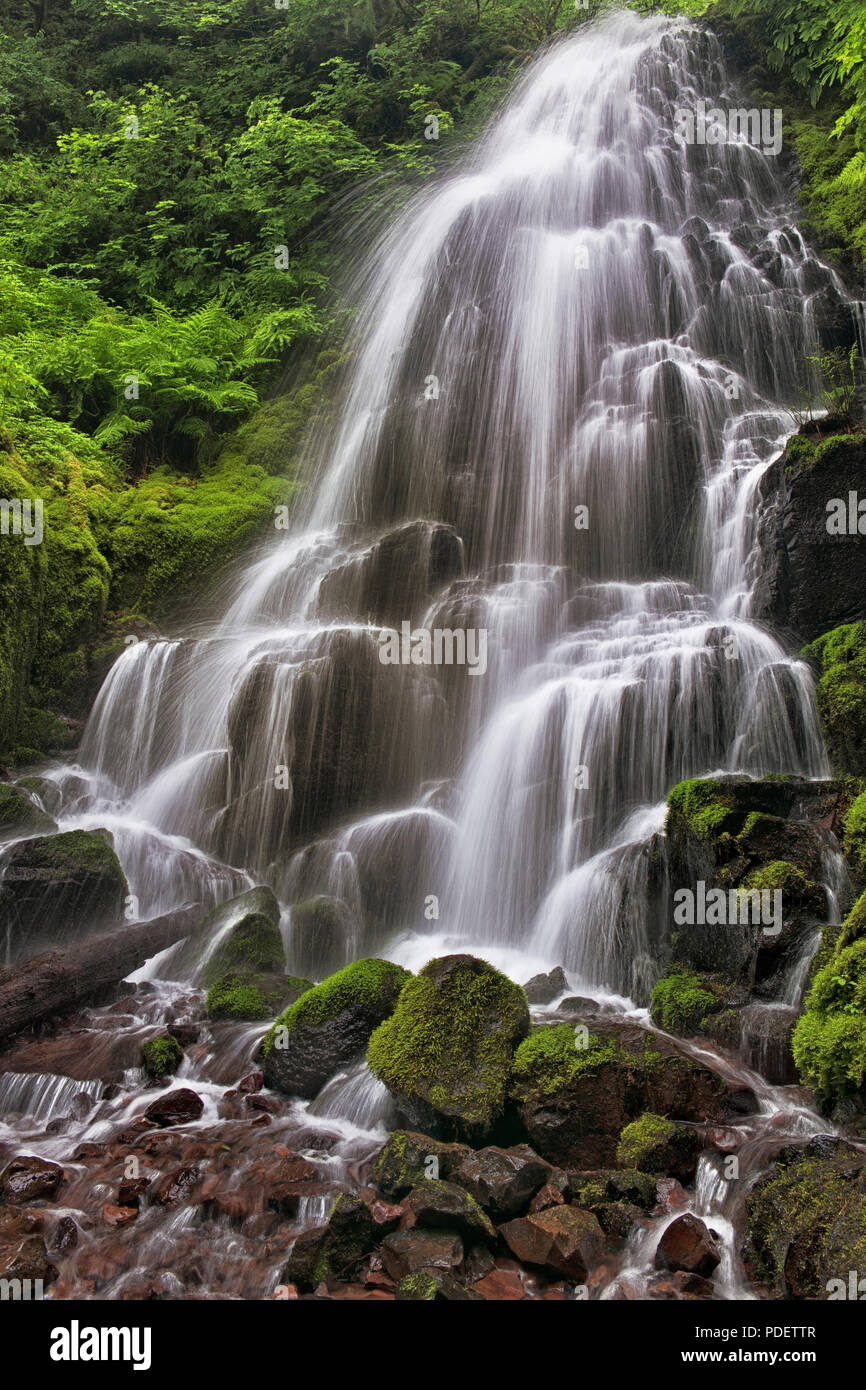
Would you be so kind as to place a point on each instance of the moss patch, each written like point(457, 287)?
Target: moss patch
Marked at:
point(700, 807)
point(362, 982)
point(840, 657)
point(829, 1041)
point(682, 1001)
point(550, 1059)
point(640, 1138)
point(161, 1056)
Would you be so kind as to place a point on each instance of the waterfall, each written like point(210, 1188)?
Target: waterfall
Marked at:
point(570, 366)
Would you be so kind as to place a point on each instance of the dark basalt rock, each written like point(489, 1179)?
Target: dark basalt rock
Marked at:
point(178, 1107)
point(57, 888)
point(409, 1158)
point(543, 989)
point(395, 579)
point(30, 1179)
point(688, 1245)
point(564, 1239)
point(503, 1181)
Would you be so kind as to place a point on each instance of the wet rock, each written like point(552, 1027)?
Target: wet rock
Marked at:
point(688, 1245)
point(543, 989)
point(395, 579)
point(175, 1187)
point(21, 814)
point(404, 1252)
point(65, 1234)
point(254, 995)
point(321, 934)
point(503, 1181)
point(131, 1191)
point(335, 1250)
point(161, 1056)
point(57, 888)
point(118, 1216)
point(179, 1107)
point(253, 943)
point(657, 1145)
point(409, 1158)
point(567, 1240)
point(28, 1259)
point(502, 1285)
point(329, 1026)
point(435, 1204)
point(670, 1196)
point(29, 1179)
point(433, 1286)
point(445, 1054)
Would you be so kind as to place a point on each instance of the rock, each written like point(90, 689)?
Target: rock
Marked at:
point(437, 1204)
point(396, 577)
point(118, 1216)
point(177, 1107)
point(175, 1187)
point(543, 989)
point(547, 1196)
point(565, 1239)
point(57, 888)
point(688, 1245)
point(253, 996)
point(27, 1259)
point(503, 1181)
point(334, 1250)
point(670, 1196)
point(432, 1286)
point(840, 659)
point(322, 930)
point(161, 1056)
point(131, 1191)
point(404, 1252)
point(29, 1179)
point(806, 1222)
point(21, 814)
point(501, 1285)
point(657, 1145)
point(597, 1186)
point(809, 579)
point(408, 1159)
point(574, 1100)
point(65, 1234)
point(241, 936)
point(445, 1054)
point(329, 1026)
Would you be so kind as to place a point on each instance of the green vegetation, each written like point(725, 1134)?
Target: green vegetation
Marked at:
point(682, 1001)
point(854, 827)
point(363, 982)
point(840, 656)
point(640, 1138)
point(253, 995)
point(700, 808)
point(829, 1041)
point(161, 1056)
point(553, 1057)
point(254, 943)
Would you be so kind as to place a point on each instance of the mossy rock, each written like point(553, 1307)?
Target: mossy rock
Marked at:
point(206, 962)
point(658, 1145)
point(332, 1251)
point(806, 1221)
point(840, 657)
point(330, 1025)
point(855, 834)
point(446, 1052)
point(605, 1185)
point(408, 1159)
point(829, 1041)
point(800, 894)
point(321, 935)
point(254, 944)
point(701, 808)
point(20, 814)
point(682, 1002)
point(161, 1056)
point(60, 887)
point(253, 996)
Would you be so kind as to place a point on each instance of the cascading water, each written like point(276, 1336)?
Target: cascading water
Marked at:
point(570, 368)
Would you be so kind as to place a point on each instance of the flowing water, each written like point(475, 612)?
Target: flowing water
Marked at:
point(570, 367)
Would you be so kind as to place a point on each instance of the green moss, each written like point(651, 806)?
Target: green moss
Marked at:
point(854, 926)
point(854, 828)
point(840, 656)
point(641, 1137)
point(254, 943)
point(253, 996)
point(452, 1041)
point(829, 1041)
point(363, 981)
point(550, 1059)
point(681, 1002)
point(161, 1056)
point(700, 807)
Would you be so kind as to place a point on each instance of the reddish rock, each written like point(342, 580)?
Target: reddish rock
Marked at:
point(28, 1259)
point(175, 1186)
point(30, 1179)
point(404, 1252)
point(670, 1196)
point(177, 1107)
point(549, 1196)
point(566, 1239)
point(131, 1191)
point(118, 1216)
point(65, 1234)
point(500, 1285)
point(252, 1082)
point(688, 1245)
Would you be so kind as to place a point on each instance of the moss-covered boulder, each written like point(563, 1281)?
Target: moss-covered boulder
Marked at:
point(21, 814)
point(683, 1002)
point(575, 1091)
point(840, 658)
point(330, 1025)
point(253, 944)
point(829, 1041)
point(435, 1204)
point(854, 831)
point(658, 1145)
point(253, 995)
point(445, 1054)
point(332, 1250)
point(57, 888)
point(321, 936)
point(408, 1159)
point(806, 1221)
point(161, 1056)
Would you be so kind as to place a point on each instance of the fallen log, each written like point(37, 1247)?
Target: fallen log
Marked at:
point(60, 981)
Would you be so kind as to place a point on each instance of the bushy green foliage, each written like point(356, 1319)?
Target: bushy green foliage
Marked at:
point(700, 807)
point(554, 1056)
point(829, 1041)
point(841, 694)
point(681, 1002)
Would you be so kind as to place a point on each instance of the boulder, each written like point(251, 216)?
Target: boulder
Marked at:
point(253, 995)
point(688, 1245)
point(321, 936)
point(330, 1025)
point(657, 1145)
point(503, 1181)
point(396, 577)
point(21, 814)
point(241, 935)
point(543, 989)
point(27, 1179)
point(564, 1239)
point(436, 1204)
point(404, 1252)
point(57, 888)
point(176, 1107)
point(408, 1159)
point(445, 1054)
point(161, 1056)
